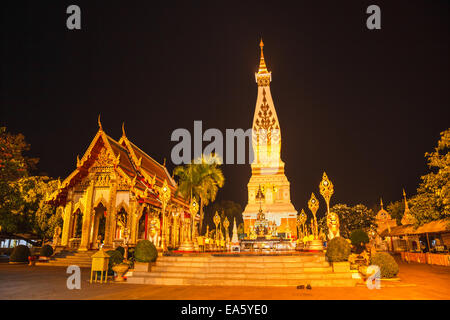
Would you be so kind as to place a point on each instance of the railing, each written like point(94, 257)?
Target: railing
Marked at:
point(429, 258)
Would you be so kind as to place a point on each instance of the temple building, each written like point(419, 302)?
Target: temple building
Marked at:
point(384, 223)
point(267, 167)
point(118, 195)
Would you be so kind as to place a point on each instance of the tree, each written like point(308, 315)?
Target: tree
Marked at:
point(396, 210)
point(351, 218)
point(202, 179)
point(22, 197)
point(225, 208)
point(28, 211)
point(432, 201)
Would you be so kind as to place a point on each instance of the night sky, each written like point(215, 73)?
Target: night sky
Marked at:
point(362, 105)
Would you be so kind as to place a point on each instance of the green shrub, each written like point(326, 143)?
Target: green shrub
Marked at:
point(46, 251)
point(338, 250)
point(387, 264)
point(145, 251)
point(359, 238)
point(20, 254)
point(121, 250)
point(115, 257)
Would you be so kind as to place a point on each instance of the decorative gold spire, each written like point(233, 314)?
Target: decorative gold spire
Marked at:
point(406, 202)
point(263, 76)
point(99, 123)
point(262, 62)
point(381, 203)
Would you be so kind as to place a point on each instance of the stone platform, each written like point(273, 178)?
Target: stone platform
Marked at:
point(70, 257)
point(244, 270)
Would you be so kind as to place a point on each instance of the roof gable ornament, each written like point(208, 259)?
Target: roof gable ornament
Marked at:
point(99, 123)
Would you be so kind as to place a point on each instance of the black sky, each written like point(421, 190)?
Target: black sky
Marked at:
point(362, 105)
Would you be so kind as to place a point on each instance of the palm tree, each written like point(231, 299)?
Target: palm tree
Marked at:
point(202, 179)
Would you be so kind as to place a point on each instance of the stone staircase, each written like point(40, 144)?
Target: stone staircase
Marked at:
point(70, 257)
point(243, 270)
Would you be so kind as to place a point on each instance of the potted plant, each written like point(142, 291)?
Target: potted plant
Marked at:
point(120, 269)
point(19, 255)
point(338, 252)
point(144, 254)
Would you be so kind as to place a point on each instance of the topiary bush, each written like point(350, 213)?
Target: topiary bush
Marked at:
point(387, 264)
point(20, 254)
point(121, 250)
point(338, 250)
point(46, 251)
point(145, 251)
point(115, 258)
point(359, 238)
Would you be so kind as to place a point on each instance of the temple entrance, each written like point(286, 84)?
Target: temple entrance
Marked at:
point(121, 228)
point(98, 226)
point(142, 225)
point(76, 227)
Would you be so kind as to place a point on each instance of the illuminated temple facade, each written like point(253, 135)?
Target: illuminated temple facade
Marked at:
point(267, 167)
point(114, 197)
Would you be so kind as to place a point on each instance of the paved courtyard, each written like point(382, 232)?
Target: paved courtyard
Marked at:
point(418, 281)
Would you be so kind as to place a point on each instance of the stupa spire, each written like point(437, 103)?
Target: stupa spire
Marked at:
point(381, 203)
point(262, 62)
point(263, 76)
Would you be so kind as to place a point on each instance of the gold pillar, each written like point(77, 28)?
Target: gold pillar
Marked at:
point(87, 215)
point(110, 214)
point(66, 225)
point(134, 223)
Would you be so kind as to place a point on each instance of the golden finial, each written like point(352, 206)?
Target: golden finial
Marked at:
point(99, 123)
point(78, 161)
point(262, 62)
point(381, 203)
point(164, 164)
point(406, 202)
point(123, 129)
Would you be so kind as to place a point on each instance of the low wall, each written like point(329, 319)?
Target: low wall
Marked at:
point(430, 258)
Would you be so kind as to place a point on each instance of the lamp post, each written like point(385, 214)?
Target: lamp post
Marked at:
point(326, 190)
point(216, 221)
point(164, 196)
point(313, 205)
point(226, 224)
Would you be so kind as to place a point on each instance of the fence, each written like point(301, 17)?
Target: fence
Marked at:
point(429, 258)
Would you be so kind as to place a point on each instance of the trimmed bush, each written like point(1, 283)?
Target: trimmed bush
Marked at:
point(145, 251)
point(20, 254)
point(387, 264)
point(359, 238)
point(115, 257)
point(121, 250)
point(338, 250)
point(46, 251)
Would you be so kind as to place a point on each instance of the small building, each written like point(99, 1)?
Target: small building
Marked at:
point(113, 197)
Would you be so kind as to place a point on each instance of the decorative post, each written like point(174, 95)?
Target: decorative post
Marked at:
point(187, 244)
point(193, 209)
point(216, 221)
point(313, 205)
point(316, 244)
point(301, 219)
point(326, 190)
point(164, 196)
point(226, 224)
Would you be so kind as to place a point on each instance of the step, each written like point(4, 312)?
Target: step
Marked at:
point(343, 282)
point(241, 265)
point(243, 276)
point(244, 259)
point(315, 268)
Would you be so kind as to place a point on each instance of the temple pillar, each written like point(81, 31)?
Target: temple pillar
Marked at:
point(66, 225)
point(135, 209)
point(110, 216)
point(87, 217)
